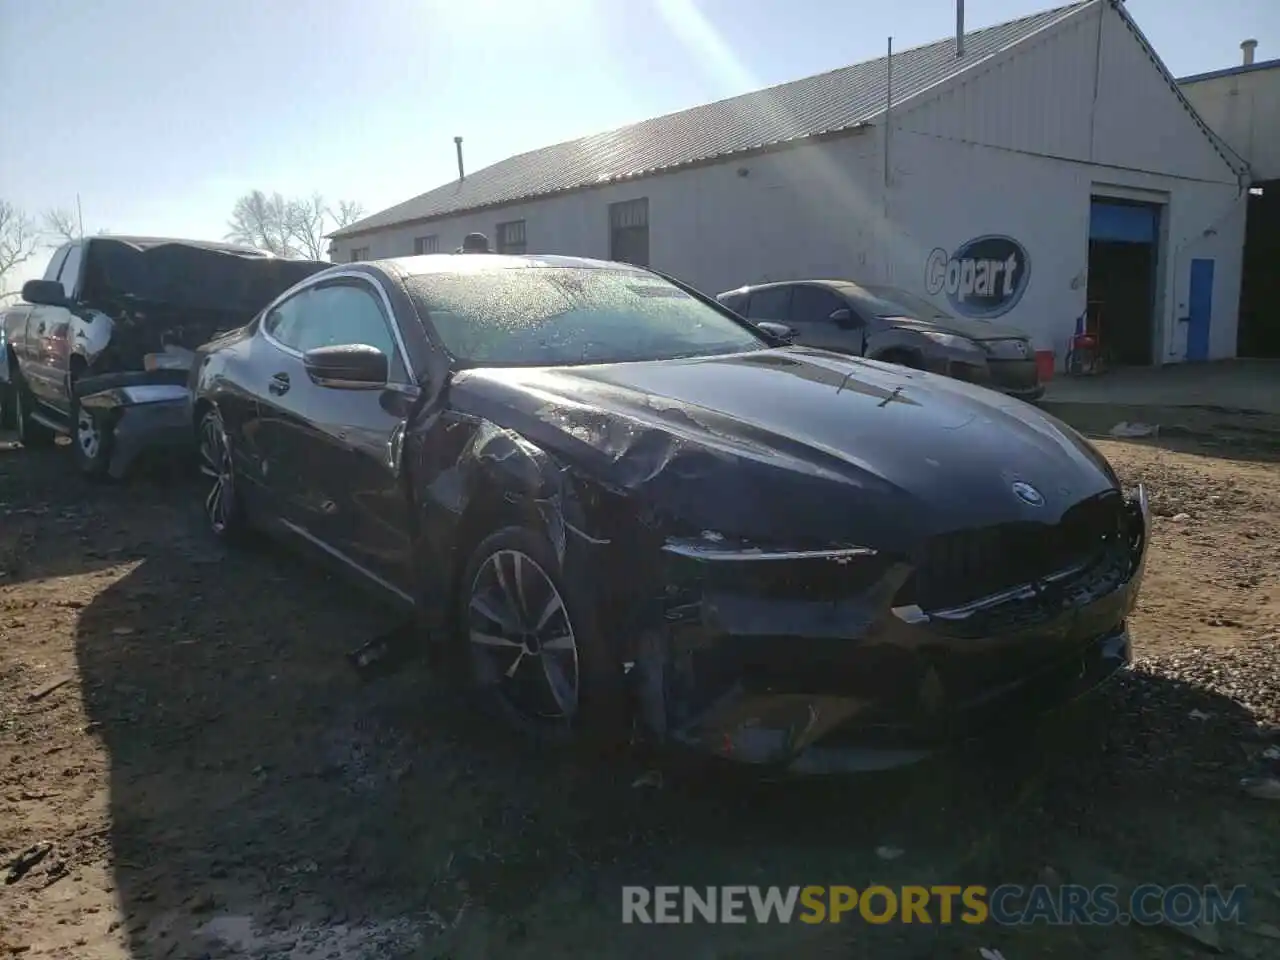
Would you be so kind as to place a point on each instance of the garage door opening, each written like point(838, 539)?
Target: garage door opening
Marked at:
point(1123, 256)
point(1259, 331)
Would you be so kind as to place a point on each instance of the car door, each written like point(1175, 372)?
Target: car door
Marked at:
point(47, 351)
point(333, 455)
point(823, 319)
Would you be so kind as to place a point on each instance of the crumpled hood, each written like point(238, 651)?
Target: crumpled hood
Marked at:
point(796, 445)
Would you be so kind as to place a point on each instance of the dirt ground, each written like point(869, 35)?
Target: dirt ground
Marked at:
point(199, 772)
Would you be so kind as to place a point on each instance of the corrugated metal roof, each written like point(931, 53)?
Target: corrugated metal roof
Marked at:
point(826, 103)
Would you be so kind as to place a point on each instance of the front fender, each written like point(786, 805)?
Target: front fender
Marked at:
point(90, 334)
point(470, 477)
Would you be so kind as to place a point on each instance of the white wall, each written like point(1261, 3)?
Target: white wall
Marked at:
point(1085, 88)
point(1244, 109)
point(946, 193)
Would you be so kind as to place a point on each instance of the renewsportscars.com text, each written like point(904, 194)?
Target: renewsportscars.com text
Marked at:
point(1007, 905)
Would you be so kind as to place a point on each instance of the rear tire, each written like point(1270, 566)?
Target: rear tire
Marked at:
point(31, 433)
point(223, 508)
point(92, 439)
point(6, 406)
point(902, 358)
point(533, 647)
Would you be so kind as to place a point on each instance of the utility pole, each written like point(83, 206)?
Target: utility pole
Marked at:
point(79, 218)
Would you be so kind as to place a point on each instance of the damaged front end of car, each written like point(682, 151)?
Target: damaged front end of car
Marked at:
point(847, 658)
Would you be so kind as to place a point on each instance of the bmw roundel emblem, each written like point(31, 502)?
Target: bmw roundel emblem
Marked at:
point(1028, 494)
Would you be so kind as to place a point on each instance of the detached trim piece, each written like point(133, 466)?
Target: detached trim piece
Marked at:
point(135, 394)
point(698, 551)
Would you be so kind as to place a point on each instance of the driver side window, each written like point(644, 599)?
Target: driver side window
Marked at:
point(335, 314)
point(813, 306)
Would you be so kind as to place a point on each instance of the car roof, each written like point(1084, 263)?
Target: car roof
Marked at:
point(811, 281)
point(145, 242)
point(441, 263)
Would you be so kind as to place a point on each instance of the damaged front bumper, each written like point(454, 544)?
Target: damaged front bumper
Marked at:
point(149, 413)
point(810, 661)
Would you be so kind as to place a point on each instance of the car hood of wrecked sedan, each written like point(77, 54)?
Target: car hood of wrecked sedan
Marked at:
point(794, 448)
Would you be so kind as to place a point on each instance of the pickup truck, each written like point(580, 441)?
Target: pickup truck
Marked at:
point(101, 348)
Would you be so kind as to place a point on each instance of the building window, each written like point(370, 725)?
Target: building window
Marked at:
point(359, 253)
point(511, 237)
point(629, 231)
point(423, 245)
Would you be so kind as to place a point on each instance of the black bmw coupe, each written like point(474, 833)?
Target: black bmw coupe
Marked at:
point(619, 504)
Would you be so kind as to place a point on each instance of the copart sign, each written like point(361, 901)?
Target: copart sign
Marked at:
point(982, 278)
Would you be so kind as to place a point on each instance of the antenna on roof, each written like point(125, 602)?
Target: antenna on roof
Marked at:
point(457, 142)
point(959, 29)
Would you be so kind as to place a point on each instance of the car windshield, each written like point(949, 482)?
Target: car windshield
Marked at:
point(891, 301)
point(917, 307)
point(554, 316)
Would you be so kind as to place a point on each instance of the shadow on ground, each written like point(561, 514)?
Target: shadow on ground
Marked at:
point(1208, 431)
point(258, 785)
point(266, 802)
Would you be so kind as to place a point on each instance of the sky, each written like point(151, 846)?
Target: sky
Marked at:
point(158, 114)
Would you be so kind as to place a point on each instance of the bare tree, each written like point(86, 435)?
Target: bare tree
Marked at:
point(18, 240)
point(262, 221)
point(305, 220)
point(349, 211)
point(62, 225)
point(289, 228)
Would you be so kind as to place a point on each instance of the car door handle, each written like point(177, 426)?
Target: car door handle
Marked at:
point(279, 384)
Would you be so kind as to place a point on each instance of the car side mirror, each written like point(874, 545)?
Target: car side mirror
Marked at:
point(48, 293)
point(779, 331)
point(843, 317)
point(348, 366)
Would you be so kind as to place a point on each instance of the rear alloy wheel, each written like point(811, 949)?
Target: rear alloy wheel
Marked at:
point(222, 507)
point(91, 439)
point(536, 653)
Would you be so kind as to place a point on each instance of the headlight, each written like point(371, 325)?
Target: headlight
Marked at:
point(1009, 349)
point(952, 341)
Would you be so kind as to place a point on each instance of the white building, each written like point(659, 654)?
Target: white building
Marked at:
point(1037, 171)
point(1242, 105)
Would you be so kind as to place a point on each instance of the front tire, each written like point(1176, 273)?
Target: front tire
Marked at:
point(31, 432)
point(92, 439)
point(903, 358)
point(534, 648)
point(223, 509)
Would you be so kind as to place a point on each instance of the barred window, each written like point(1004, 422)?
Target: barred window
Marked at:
point(359, 253)
point(629, 231)
point(511, 237)
point(423, 245)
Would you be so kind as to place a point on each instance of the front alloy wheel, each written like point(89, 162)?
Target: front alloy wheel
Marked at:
point(521, 639)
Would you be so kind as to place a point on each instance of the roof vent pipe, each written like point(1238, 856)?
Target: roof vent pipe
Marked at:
point(1247, 48)
point(457, 142)
point(959, 29)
